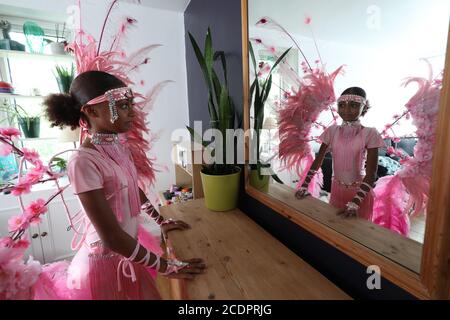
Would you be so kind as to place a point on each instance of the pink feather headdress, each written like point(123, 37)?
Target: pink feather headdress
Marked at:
point(89, 56)
point(405, 194)
point(310, 95)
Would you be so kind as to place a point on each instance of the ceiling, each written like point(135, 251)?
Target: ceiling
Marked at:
point(353, 20)
point(172, 5)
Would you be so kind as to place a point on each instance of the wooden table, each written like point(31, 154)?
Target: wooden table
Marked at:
point(243, 260)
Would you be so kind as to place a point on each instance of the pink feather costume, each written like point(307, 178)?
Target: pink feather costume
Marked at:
point(310, 95)
point(119, 170)
point(348, 145)
point(95, 273)
point(405, 194)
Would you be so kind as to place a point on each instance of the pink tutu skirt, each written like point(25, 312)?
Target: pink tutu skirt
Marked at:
point(341, 195)
point(92, 275)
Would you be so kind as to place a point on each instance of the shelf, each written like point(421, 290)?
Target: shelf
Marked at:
point(28, 55)
point(19, 96)
point(184, 169)
point(37, 139)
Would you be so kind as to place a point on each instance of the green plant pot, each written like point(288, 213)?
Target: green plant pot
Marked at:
point(221, 192)
point(30, 127)
point(261, 184)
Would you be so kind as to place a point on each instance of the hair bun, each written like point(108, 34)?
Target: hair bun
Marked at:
point(62, 110)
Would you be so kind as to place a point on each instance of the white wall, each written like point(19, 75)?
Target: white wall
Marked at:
point(379, 68)
point(167, 62)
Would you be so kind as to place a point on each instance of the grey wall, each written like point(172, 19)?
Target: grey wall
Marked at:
point(226, 36)
point(224, 18)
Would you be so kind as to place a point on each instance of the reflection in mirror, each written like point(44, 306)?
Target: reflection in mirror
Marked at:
point(344, 102)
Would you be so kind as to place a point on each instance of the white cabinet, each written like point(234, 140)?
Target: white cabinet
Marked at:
point(51, 239)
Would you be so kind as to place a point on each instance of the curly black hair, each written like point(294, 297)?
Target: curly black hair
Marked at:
point(65, 109)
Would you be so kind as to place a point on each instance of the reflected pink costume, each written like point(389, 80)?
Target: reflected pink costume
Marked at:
point(95, 272)
point(348, 145)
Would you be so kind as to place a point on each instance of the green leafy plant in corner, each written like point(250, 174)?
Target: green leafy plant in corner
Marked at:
point(15, 112)
point(64, 77)
point(221, 108)
point(259, 92)
point(59, 163)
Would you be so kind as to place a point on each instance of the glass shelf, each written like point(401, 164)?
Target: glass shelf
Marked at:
point(19, 96)
point(23, 54)
point(38, 139)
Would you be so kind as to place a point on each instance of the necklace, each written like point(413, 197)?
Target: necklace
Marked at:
point(105, 138)
point(351, 123)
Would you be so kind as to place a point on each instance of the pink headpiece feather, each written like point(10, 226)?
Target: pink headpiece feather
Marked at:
point(412, 182)
point(90, 57)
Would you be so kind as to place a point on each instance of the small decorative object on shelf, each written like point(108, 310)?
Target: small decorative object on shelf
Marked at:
point(35, 37)
point(6, 43)
point(58, 47)
point(8, 168)
point(5, 87)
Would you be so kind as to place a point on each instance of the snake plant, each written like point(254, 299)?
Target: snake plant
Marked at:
point(220, 104)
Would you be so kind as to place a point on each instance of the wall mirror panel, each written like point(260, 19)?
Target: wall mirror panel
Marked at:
point(299, 58)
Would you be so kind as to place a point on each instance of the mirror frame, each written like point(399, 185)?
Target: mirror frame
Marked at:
point(433, 281)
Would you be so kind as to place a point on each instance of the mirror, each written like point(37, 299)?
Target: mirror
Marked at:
point(396, 52)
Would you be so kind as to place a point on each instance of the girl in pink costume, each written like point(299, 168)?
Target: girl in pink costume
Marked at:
point(115, 255)
point(354, 150)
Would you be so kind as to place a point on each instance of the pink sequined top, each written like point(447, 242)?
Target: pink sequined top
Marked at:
point(348, 145)
point(91, 169)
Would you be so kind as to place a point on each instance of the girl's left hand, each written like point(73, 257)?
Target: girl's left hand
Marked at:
point(175, 225)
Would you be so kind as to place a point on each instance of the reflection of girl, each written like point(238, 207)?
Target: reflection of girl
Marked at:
point(350, 144)
point(114, 251)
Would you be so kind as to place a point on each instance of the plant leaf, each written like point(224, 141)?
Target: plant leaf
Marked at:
point(201, 61)
point(252, 55)
point(279, 60)
point(268, 86)
point(277, 179)
point(221, 55)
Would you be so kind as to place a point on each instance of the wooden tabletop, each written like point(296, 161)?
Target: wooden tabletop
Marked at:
point(243, 260)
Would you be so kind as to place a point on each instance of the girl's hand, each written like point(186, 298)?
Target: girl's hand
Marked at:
point(195, 266)
point(348, 213)
point(302, 193)
point(175, 225)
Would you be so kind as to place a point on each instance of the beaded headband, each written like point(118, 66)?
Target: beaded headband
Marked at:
point(112, 96)
point(352, 97)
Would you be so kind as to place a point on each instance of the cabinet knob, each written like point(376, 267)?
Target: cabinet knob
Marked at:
point(34, 236)
point(43, 234)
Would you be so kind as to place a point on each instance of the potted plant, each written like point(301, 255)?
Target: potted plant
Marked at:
point(259, 92)
point(64, 77)
point(220, 180)
point(30, 125)
point(58, 46)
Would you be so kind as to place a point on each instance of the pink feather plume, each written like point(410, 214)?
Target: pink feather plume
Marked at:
point(411, 183)
point(89, 57)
